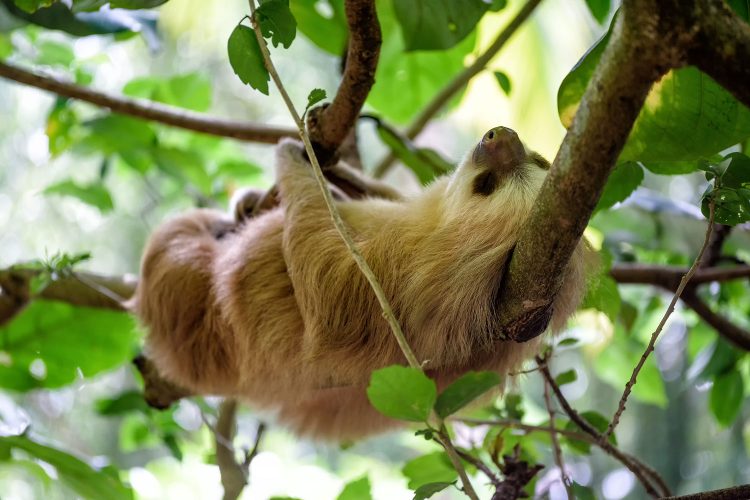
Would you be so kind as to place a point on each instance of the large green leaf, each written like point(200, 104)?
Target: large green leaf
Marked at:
point(623, 180)
point(405, 82)
point(427, 164)
point(51, 344)
point(323, 22)
point(437, 24)
point(115, 134)
point(79, 476)
point(402, 393)
point(246, 58)
point(465, 390)
point(191, 91)
point(687, 116)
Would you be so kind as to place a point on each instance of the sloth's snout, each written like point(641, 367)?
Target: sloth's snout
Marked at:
point(502, 148)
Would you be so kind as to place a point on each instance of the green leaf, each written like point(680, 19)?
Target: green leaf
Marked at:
point(6, 46)
point(686, 116)
point(277, 22)
point(246, 58)
point(599, 9)
point(726, 397)
point(359, 489)
point(431, 468)
point(602, 295)
point(724, 358)
point(190, 91)
point(58, 16)
point(323, 22)
point(114, 134)
point(51, 344)
point(94, 194)
point(76, 474)
point(429, 489)
point(465, 390)
point(185, 165)
point(623, 180)
point(437, 24)
point(566, 377)
point(314, 97)
point(124, 402)
point(402, 393)
point(426, 163)
point(408, 81)
point(503, 81)
point(597, 421)
point(32, 5)
point(53, 53)
point(136, 4)
point(671, 167)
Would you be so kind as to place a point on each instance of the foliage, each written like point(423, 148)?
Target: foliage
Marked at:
point(690, 130)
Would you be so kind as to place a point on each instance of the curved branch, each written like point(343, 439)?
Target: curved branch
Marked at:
point(149, 110)
point(733, 333)
point(329, 125)
point(631, 63)
point(733, 493)
point(668, 277)
point(460, 81)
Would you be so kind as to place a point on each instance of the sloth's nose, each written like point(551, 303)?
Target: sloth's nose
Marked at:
point(503, 147)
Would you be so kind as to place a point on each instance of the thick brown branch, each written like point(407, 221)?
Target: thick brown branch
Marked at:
point(149, 110)
point(668, 277)
point(722, 48)
point(329, 125)
point(459, 82)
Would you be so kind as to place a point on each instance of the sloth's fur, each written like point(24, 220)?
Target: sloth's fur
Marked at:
point(276, 312)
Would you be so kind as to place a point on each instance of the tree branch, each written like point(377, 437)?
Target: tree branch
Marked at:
point(556, 451)
point(459, 82)
point(733, 333)
point(668, 277)
point(329, 126)
point(149, 110)
point(733, 493)
point(648, 38)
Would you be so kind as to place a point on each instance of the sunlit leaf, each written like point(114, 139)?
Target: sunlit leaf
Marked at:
point(51, 344)
point(6, 46)
point(359, 489)
point(464, 390)
point(32, 5)
point(602, 295)
point(686, 116)
point(437, 24)
point(323, 22)
point(76, 474)
point(277, 22)
point(124, 402)
point(114, 134)
point(246, 58)
point(401, 392)
point(53, 53)
point(426, 163)
point(566, 377)
point(431, 468)
point(599, 9)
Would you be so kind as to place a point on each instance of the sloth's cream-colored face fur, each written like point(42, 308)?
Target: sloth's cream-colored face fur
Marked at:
point(275, 311)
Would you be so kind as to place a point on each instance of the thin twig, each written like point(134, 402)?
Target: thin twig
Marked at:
point(330, 204)
point(460, 81)
point(515, 424)
point(149, 110)
point(556, 451)
point(455, 459)
point(652, 342)
point(480, 466)
point(738, 336)
point(648, 477)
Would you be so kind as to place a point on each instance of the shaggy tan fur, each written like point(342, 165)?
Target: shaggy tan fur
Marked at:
point(276, 312)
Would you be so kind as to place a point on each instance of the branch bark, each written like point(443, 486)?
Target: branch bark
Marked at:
point(149, 110)
point(648, 39)
point(733, 493)
point(329, 126)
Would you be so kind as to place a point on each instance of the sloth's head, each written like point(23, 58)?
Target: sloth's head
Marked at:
point(499, 171)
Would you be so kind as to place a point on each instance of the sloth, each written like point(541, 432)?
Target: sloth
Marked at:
point(274, 311)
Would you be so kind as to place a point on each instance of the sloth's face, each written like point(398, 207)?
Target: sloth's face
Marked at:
point(499, 158)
